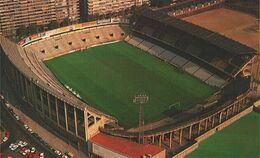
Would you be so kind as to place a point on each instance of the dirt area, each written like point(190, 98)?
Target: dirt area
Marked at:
point(239, 26)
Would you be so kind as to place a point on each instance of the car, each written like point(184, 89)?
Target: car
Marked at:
point(27, 151)
point(25, 126)
point(14, 147)
point(20, 143)
point(24, 144)
point(22, 152)
point(41, 155)
point(65, 156)
point(11, 145)
point(30, 130)
point(7, 105)
point(57, 152)
point(69, 154)
point(5, 139)
point(33, 149)
point(17, 118)
point(7, 134)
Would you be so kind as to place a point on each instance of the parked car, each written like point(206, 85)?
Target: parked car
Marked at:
point(13, 147)
point(7, 134)
point(26, 126)
point(65, 156)
point(20, 143)
point(41, 155)
point(17, 118)
point(33, 149)
point(30, 130)
point(7, 105)
point(69, 154)
point(5, 139)
point(57, 152)
point(24, 144)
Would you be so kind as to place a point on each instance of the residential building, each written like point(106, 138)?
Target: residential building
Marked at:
point(15, 13)
point(93, 9)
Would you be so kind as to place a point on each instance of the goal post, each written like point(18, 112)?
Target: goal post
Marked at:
point(176, 105)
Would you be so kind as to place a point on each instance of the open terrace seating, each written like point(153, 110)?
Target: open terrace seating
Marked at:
point(73, 41)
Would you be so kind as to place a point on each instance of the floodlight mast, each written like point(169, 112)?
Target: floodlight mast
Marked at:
point(140, 100)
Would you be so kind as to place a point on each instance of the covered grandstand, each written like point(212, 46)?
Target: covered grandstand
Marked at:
point(190, 46)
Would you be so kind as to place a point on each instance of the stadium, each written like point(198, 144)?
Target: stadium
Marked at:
point(82, 79)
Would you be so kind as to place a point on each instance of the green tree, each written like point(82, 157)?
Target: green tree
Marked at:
point(53, 25)
point(160, 3)
point(22, 31)
point(41, 28)
point(33, 29)
point(65, 22)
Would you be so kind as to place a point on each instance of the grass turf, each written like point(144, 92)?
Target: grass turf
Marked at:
point(107, 77)
point(239, 140)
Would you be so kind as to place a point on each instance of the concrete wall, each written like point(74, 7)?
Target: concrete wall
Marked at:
point(103, 152)
point(40, 100)
point(223, 125)
point(160, 155)
point(187, 150)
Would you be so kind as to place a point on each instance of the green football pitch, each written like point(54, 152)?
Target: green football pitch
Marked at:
point(108, 77)
point(239, 140)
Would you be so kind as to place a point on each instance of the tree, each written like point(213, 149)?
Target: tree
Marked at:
point(22, 31)
point(41, 28)
point(53, 25)
point(33, 29)
point(160, 3)
point(65, 22)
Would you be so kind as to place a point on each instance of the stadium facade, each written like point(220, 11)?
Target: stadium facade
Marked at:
point(72, 118)
point(210, 57)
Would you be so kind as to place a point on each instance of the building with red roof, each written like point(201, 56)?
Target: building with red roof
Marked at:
point(107, 146)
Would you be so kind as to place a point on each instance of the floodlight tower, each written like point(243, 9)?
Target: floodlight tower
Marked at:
point(140, 100)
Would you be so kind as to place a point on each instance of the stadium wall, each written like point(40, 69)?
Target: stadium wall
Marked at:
point(75, 124)
point(48, 107)
point(72, 28)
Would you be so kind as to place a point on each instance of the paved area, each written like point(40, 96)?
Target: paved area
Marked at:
point(50, 138)
point(16, 133)
point(236, 25)
point(47, 136)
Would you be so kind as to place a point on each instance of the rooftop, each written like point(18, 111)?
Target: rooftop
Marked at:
point(124, 146)
point(216, 39)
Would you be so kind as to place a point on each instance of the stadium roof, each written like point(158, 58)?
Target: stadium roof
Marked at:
point(218, 40)
point(124, 146)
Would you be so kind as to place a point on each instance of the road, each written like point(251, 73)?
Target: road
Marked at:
point(17, 133)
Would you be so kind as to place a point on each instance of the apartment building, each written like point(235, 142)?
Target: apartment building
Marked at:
point(105, 7)
point(14, 13)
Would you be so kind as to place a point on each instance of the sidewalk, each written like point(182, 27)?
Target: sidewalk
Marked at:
point(50, 138)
